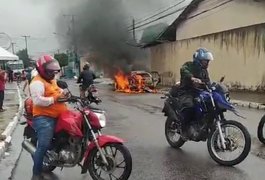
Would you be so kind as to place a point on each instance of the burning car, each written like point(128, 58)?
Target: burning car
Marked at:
point(136, 81)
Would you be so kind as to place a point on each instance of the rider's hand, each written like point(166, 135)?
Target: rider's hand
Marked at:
point(58, 97)
point(67, 95)
point(196, 80)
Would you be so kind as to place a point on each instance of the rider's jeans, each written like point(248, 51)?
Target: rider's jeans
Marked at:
point(44, 126)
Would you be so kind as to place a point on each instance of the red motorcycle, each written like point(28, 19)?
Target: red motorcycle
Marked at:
point(78, 141)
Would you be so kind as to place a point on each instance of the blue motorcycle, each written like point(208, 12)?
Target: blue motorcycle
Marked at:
point(228, 141)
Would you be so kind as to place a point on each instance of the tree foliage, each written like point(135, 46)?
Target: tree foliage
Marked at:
point(62, 59)
point(23, 55)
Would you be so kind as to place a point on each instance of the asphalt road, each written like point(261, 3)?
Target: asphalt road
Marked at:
point(137, 118)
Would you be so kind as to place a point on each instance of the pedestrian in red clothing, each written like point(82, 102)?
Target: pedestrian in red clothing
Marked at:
point(2, 88)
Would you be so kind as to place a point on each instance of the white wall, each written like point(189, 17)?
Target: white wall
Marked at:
point(239, 55)
point(235, 14)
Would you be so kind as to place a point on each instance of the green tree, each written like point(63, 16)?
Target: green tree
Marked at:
point(23, 55)
point(62, 59)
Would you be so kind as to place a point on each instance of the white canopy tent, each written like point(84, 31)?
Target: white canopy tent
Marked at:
point(7, 56)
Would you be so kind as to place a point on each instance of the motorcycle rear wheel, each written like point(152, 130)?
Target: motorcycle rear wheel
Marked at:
point(171, 132)
point(97, 168)
point(261, 130)
point(47, 168)
point(216, 151)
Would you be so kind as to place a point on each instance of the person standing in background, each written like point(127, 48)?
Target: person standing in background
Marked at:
point(2, 88)
point(29, 76)
point(10, 74)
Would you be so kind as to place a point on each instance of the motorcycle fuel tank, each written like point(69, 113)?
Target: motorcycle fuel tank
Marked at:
point(71, 122)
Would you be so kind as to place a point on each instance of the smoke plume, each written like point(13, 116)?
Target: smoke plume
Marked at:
point(99, 31)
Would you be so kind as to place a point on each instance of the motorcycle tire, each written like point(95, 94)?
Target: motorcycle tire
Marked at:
point(261, 130)
point(94, 158)
point(245, 151)
point(175, 144)
point(47, 168)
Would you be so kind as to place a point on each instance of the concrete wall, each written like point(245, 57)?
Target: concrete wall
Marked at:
point(239, 55)
point(212, 16)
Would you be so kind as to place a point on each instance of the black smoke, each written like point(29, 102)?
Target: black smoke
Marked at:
point(100, 33)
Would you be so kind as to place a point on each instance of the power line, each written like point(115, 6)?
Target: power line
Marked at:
point(146, 15)
point(161, 17)
point(177, 10)
point(207, 10)
point(193, 19)
point(150, 17)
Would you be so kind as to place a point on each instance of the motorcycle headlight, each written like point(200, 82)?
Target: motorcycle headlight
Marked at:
point(102, 119)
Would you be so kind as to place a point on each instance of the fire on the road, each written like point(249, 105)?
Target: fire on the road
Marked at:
point(133, 83)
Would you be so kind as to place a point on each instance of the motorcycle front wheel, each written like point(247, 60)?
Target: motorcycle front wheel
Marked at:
point(173, 137)
point(119, 163)
point(261, 130)
point(237, 142)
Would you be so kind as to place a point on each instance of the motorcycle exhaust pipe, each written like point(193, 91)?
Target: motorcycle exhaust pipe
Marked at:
point(28, 146)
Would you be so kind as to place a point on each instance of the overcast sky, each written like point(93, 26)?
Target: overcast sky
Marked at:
point(36, 18)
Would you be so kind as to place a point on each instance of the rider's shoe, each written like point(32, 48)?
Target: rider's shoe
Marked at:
point(37, 177)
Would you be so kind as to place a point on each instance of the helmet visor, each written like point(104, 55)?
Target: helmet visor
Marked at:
point(53, 66)
point(208, 56)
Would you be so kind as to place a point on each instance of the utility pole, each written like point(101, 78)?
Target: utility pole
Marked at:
point(26, 42)
point(133, 29)
point(77, 63)
point(13, 48)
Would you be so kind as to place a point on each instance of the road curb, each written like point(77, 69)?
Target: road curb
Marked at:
point(251, 105)
point(7, 134)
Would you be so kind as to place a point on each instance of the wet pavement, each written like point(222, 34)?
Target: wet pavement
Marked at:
point(11, 104)
point(249, 96)
point(138, 119)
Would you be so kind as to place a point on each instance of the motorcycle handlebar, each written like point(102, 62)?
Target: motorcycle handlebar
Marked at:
point(203, 86)
point(61, 100)
point(70, 99)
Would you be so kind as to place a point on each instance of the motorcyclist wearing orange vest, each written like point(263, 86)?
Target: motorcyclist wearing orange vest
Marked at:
point(46, 109)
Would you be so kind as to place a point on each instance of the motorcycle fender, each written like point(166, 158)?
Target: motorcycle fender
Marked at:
point(102, 141)
point(169, 111)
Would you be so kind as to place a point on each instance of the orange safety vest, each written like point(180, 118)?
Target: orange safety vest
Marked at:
point(50, 90)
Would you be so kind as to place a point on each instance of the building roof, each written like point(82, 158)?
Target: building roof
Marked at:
point(6, 55)
point(169, 33)
point(152, 33)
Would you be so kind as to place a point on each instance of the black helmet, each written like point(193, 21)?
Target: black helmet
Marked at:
point(86, 66)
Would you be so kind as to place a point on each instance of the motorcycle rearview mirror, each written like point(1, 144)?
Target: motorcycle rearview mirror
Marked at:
point(222, 79)
point(62, 84)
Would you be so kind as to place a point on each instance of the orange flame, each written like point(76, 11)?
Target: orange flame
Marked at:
point(122, 82)
point(133, 83)
point(129, 84)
